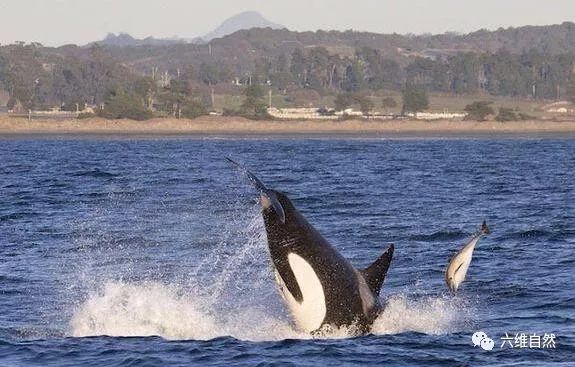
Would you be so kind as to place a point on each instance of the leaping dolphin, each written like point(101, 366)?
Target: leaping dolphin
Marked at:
point(458, 265)
point(320, 287)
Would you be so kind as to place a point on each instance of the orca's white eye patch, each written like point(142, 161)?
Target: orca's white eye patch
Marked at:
point(266, 202)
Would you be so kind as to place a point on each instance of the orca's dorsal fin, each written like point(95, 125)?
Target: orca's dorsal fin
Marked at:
point(374, 275)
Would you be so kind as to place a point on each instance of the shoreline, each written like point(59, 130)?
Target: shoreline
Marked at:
point(211, 126)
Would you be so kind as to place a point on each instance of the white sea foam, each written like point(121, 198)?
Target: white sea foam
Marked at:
point(152, 309)
point(428, 315)
point(231, 293)
point(156, 309)
point(143, 310)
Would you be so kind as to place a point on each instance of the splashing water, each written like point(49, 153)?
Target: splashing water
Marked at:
point(143, 310)
point(429, 315)
point(163, 310)
point(158, 309)
point(232, 293)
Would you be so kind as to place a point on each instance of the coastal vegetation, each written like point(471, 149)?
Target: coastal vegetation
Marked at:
point(244, 73)
point(479, 111)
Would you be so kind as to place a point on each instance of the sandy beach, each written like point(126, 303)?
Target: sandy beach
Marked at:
point(217, 125)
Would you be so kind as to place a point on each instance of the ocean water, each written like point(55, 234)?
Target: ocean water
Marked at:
point(152, 252)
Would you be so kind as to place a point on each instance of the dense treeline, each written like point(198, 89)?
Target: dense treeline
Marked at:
point(532, 74)
point(38, 78)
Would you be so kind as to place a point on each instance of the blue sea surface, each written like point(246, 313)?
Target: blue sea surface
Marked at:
point(152, 252)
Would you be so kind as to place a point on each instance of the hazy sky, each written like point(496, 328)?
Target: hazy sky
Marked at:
point(55, 22)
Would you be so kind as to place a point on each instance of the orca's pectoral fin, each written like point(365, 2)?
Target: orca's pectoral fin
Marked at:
point(375, 274)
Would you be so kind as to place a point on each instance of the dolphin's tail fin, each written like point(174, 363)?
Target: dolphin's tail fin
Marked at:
point(374, 275)
point(263, 189)
point(484, 228)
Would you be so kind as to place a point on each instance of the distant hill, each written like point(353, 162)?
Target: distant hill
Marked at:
point(242, 21)
point(241, 49)
point(251, 31)
point(125, 40)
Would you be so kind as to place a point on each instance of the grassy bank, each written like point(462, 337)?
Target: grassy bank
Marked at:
point(241, 126)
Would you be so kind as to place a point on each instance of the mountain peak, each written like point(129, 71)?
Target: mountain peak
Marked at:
point(121, 39)
point(241, 21)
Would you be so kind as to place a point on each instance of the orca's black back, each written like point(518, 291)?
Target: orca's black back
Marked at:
point(339, 278)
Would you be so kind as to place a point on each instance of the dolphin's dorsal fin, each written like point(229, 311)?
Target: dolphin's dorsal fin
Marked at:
point(374, 275)
point(485, 229)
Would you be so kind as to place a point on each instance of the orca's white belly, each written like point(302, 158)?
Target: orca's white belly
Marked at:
point(310, 312)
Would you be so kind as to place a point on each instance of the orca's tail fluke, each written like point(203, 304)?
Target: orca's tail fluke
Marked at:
point(259, 185)
point(374, 275)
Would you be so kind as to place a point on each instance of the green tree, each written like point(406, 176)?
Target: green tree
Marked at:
point(365, 103)
point(414, 99)
point(478, 111)
point(146, 89)
point(254, 105)
point(175, 95)
point(353, 79)
point(318, 69)
point(123, 105)
point(525, 117)
point(214, 73)
point(298, 67)
point(428, 73)
point(506, 114)
point(466, 73)
point(388, 102)
point(12, 102)
point(343, 101)
point(192, 109)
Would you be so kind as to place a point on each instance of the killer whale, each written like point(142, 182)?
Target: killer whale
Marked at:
point(320, 287)
point(457, 268)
